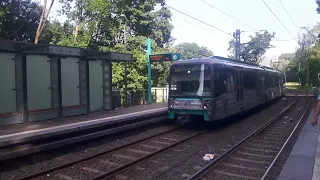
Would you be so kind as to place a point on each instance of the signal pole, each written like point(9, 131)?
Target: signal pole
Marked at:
point(237, 38)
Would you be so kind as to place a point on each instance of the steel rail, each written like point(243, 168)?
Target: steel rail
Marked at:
point(288, 139)
point(205, 169)
point(120, 169)
point(91, 157)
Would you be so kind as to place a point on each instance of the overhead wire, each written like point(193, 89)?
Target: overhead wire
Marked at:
point(227, 14)
point(199, 20)
point(277, 18)
point(201, 28)
point(288, 14)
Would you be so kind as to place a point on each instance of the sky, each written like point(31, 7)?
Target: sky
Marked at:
point(253, 14)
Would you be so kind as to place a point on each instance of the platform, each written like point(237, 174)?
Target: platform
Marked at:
point(23, 132)
point(303, 162)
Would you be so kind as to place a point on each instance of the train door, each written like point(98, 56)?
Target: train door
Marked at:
point(220, 103)
point(241, 84)
point(238, 84)
point(231, 95)
point(237, 81)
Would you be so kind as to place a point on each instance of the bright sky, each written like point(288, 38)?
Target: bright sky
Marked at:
point(252, 12)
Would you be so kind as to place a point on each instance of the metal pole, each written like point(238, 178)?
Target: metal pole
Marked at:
point(307, 73)
point(125, 64)
point(237, 37)
point(149, 72)
point(299, 77)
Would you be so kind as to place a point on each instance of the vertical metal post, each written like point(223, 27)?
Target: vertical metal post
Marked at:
point(24, 88)
point(299, 77)
point(307, 73)
point(149, 72)
point(162, 95)
point(144, 96)
point(125, 65)
point(237, 37)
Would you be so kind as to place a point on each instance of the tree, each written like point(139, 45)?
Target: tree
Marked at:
point(19, 20)
point(253, 50)
point(192, 50)
point(283, 62)
point(95, 24)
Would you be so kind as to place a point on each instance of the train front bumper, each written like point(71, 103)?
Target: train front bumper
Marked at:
point(180, 112)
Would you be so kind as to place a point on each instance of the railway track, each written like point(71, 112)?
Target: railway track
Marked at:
point(186, 159)
point(254, 156)
point(144, 165)
point(110, 162)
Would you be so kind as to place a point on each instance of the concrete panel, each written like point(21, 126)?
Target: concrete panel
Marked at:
point(38, 82)
point(15, 119)
point(96, 85)
point(70, 82)
point(7, 83)
point(43, 115)
point(74, 111)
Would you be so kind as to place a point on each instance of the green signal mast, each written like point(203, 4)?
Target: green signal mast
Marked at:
point(166, 57)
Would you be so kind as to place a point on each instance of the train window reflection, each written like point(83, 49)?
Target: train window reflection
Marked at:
point(191, 80)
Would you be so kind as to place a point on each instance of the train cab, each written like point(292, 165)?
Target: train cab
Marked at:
point(214, 88)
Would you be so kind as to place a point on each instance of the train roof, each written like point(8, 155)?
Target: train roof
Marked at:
point(226, 62)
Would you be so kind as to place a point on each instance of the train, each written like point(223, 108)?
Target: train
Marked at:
point(214, 88)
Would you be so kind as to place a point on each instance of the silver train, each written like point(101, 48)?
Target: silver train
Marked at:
point(217, 87)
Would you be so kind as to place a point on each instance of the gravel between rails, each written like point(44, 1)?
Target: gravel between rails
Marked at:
point(21, 167)
point(121, 157)
point(179, 162)
point(229, 171)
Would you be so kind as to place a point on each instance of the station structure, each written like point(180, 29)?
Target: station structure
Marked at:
point(42, 81)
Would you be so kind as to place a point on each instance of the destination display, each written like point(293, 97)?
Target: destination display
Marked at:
point(165, 57)
point(182, 68)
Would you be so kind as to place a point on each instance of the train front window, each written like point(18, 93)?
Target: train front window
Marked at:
point(190, 80)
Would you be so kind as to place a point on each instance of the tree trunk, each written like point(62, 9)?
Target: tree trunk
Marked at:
point(43, 19)
point(78, 21)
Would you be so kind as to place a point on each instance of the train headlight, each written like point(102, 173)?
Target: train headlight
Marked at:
point(206, 104)
point(171, 102)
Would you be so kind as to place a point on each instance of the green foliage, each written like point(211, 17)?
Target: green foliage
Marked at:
point(19, 20)
point(192, 50)
point(253, 50)
point(97, 24)
point(304, 63)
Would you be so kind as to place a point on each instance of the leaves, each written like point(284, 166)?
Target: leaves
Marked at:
point(97, 24)
point(192, 50)
point(253, 50)
point(19, 20)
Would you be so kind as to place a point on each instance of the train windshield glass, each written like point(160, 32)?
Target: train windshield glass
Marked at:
point(190, 80)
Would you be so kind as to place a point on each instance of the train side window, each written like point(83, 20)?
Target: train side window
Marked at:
point(268, 81)
point(219, 81)
point(248, 79)
point(230, 81)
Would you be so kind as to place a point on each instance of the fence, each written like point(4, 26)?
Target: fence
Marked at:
point(139, 97)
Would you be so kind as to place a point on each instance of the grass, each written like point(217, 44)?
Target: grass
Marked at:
point(292, 85)
point(296, 86)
